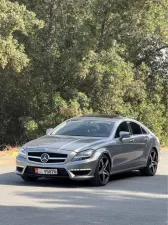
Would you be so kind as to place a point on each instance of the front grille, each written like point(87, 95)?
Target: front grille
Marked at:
point(53, 157)
point(51, 154)
point(30, 170)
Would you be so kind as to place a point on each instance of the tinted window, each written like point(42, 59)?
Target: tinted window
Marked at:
point(136, 129)
point(143, 130)
point(122, 127)
point(88, 128)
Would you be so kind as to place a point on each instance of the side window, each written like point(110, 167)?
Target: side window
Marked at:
point(122, 127)
point(136, 129)
point(143, 130)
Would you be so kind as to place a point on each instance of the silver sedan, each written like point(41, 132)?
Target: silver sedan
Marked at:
point(90, 147)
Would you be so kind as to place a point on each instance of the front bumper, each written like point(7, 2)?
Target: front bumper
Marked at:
point(78, 170)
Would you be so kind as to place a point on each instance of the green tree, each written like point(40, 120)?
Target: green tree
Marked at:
point(91, 56)
point(16, 24)
point(15, 18)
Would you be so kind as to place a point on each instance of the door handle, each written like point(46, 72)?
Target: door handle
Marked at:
point(132, 140)
point(145, 139)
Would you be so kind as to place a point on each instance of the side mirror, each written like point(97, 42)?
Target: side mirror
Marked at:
point(48, 131)
point(124, 134)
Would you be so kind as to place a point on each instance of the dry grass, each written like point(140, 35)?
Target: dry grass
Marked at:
point(8, 151)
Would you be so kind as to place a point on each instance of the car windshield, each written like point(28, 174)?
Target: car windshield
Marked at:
point(86, 128)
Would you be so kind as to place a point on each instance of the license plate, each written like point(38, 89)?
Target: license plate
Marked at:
point(46, 171)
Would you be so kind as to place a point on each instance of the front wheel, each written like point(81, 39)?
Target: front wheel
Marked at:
point(29, 178)
point(102, 173)
point(152, 164)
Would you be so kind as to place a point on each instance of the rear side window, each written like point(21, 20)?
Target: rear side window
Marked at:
point(122, 127)
point(136, 129)
point(143, 130)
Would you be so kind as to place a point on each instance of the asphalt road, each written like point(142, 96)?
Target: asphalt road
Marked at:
point(128, 199)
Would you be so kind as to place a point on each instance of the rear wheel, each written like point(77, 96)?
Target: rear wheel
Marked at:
point(29, 178)
point(102, 173)
point(152, 164)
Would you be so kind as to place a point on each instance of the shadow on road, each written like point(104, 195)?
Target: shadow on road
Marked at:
point(116, 181)
point(15, 180)
point(129, 198)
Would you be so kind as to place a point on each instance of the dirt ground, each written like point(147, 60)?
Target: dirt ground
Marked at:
point(165, 148)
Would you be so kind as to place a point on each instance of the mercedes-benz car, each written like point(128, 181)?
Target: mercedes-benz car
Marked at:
point(90, 147)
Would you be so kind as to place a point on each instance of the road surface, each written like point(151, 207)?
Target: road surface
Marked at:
point(128, 199)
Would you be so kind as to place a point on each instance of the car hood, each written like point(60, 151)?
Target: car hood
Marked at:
point(64, 142)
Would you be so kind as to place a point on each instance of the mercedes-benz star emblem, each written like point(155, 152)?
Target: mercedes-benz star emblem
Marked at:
point(44, 157)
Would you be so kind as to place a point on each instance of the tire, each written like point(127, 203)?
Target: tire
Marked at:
point(102, 172)
point(29, 178)
point(152, 164)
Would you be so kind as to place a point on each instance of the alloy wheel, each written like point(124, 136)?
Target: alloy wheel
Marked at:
point(104, 170)
point(153, 162)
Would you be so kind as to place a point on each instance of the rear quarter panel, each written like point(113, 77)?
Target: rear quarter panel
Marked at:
point(153, 142)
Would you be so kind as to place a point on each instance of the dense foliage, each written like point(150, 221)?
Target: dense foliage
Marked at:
point(62, 58)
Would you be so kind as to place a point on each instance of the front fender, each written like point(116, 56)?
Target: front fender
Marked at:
point(105, 151)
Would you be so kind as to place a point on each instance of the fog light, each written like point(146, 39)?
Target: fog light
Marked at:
point(80, 172)
point(19, 169)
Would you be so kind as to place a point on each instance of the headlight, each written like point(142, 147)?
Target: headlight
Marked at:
point(22, 152)
point(83, 155)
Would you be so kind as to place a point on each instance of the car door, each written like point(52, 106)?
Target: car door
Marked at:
point(140, 139)
point(123, 152)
